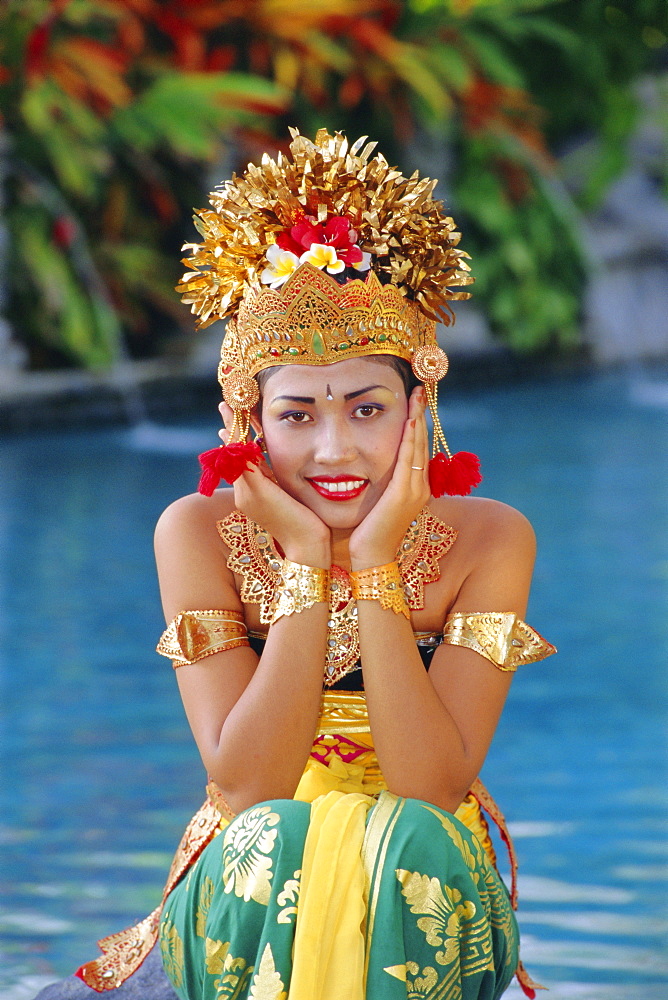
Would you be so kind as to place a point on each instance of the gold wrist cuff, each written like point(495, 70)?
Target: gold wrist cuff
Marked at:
point(192, 635)
point(381, 583)
point(502, 638)
point(299, 587)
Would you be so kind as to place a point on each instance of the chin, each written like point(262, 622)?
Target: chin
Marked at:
point(339, 515)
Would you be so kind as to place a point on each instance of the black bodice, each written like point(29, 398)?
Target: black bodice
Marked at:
point(354, 681)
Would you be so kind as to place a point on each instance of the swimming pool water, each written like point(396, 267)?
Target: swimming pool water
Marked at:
point(98, 770)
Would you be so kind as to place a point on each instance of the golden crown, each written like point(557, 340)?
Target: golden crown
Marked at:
point(284, 247)
point(312, 319)
point(396, 222)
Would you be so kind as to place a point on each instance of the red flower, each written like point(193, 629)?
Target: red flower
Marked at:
point(455, 476)
point(227, 462)
point(337, 232)
point(286, 242)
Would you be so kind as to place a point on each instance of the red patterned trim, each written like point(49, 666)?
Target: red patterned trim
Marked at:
point(484, 799)
point(124, 952)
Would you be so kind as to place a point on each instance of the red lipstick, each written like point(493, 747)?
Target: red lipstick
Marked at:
point(339, 487)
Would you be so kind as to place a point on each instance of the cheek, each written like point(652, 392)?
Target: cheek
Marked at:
point(281, 449)
point(385, 446)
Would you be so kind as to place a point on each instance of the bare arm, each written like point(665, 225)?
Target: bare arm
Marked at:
point(432, 730)
point(253, 720)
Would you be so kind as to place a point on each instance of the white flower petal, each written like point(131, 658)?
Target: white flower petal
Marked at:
point(365, 263)
point(322, 255)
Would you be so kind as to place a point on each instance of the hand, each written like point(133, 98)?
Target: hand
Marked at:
point(302, 536)
point(376, 540)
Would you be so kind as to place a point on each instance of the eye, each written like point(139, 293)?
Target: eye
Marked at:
point(367, 410)
point(297, 417)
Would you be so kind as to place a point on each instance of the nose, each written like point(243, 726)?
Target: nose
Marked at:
point(335, 444)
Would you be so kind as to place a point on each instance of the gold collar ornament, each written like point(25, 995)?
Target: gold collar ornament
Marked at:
point(254, 557)
point(320, 256)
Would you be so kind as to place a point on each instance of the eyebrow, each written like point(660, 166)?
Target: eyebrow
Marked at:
point(348, 396)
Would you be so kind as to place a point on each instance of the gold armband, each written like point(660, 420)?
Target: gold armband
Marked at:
point(299, 587)
point(192, 635)
point(381, 583)
point(502, 638)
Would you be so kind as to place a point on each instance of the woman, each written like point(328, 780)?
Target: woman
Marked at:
point(342, 851)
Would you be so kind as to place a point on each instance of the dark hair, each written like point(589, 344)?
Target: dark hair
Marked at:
point(400, 366)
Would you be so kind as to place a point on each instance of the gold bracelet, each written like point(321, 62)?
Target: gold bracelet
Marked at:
point(381, 583)
point(192, 635)
point(299, 587)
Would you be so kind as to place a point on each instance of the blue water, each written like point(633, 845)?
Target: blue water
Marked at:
point(98, 771)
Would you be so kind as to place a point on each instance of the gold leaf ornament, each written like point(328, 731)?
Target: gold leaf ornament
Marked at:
point(440, 909)
point(171, 948)
point(206, 894)
point(422, 985)
point(397, 220)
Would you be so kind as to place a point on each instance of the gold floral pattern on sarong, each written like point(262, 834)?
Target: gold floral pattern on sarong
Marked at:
point(267, 983)
point(491, 893)
point(442, 912)
point(171, 949)
point(247, 846)
point(289, 894)
point(234, 973)
point(420, 986)
point(206, 892)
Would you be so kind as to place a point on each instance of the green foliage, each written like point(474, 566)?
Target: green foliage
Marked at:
point(103, 144)
point(113, 115)
point(59, 295)
point(187, 112)
point(546, 78)
point(528, 259)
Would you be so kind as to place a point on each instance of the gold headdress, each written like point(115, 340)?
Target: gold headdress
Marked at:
point(318, 258)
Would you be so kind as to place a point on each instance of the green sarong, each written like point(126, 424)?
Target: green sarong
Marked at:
point(346, 898)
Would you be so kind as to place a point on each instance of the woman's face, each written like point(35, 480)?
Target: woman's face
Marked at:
point(332, 434)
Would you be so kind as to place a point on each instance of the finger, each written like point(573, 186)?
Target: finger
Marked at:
point(228, 419)
point(420, 445)
point(247, 487)
point(402, 468)
point(264, 467)
point(226, 413)
point(425, 440)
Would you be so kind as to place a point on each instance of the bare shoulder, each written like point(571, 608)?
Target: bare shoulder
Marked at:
point(490, 524)
point(194, 513)
point(190, 555)
point(493, 555)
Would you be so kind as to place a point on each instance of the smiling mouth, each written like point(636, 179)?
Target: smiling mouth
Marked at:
point(339, 488)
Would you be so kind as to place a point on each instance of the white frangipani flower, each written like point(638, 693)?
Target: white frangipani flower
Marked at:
point(323, 256)
point(282, 263)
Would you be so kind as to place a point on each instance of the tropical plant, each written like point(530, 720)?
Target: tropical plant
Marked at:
point(115, 110)
point(107, 132)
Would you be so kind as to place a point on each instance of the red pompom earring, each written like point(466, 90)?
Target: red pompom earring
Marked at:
point(455, 474)
point(229, 461)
